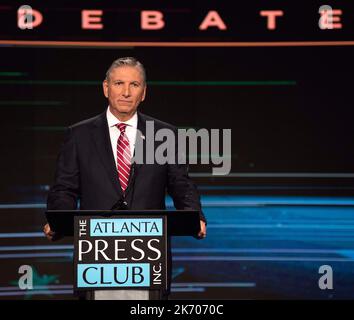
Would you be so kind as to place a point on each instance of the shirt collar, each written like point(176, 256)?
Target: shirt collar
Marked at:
point(113, 121)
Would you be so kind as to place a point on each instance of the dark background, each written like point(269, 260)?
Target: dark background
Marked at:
point(289, 107)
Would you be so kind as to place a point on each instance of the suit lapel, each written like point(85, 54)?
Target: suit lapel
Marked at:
point(102, 141)
point(140, 141)
point(139, 144)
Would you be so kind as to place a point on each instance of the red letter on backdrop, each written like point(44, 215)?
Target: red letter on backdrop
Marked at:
point(151, 20)
point(212, 20)
point(91, 19)
point(25, 15)
point(271, 15)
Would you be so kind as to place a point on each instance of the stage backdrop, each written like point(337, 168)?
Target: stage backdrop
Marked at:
point(280, 75)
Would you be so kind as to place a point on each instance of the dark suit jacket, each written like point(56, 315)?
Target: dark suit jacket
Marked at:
point(86, 171)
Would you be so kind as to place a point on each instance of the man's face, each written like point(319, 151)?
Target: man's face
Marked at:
point(125, 89)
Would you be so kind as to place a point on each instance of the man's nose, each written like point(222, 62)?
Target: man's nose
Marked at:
point(126, 91)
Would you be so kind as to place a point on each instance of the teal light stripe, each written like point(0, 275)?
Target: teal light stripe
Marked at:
point(52, 82)
point(12, 74)
point(156, 83)
point(31, 103)
point(222, 83)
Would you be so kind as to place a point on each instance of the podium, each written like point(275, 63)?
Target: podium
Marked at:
point(123, 249)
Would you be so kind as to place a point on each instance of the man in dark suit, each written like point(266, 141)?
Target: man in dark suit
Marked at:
point(95, 164)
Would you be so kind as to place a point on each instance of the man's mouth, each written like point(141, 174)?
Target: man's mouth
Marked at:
point(124, 102)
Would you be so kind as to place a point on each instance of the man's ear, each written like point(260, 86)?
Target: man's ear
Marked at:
point(105, 88)
point(144, 94)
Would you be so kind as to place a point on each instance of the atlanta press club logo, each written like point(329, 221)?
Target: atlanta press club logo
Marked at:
point(120, 252)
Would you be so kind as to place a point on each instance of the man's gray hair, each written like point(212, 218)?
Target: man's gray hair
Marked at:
point(127, 61)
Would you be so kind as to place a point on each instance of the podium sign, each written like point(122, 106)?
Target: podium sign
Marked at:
point(120, 252)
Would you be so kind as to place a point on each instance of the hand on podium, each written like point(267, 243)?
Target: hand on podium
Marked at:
point(202, 232)
point(51, 235)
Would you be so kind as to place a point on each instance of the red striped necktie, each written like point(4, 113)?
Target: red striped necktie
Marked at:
point(123, 157)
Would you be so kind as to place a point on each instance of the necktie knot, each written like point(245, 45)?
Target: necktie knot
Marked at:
point(121, 126)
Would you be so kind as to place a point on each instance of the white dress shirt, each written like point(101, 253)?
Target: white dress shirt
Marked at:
point(114, 133)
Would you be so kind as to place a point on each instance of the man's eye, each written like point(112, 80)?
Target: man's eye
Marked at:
point(135, 85)
point(118, 83)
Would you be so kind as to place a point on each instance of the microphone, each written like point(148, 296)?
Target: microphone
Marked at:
point(121, 204)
